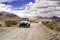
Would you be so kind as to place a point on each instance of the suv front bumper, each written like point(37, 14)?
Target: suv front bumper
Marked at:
point(26, 25)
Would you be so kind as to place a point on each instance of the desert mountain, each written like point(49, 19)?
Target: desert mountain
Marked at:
point(7, 15)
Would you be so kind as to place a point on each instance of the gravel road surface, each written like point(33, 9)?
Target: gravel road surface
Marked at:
point(35, 32)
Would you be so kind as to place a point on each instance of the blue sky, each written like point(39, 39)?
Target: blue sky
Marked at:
point(18, 3)
point(31, 7)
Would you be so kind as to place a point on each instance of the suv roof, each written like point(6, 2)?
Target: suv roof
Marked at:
point(24, 19)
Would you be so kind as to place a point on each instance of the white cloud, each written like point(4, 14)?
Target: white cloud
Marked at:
point(40, 7)
point(4, 7)
point(48, 8)
point(6, 0)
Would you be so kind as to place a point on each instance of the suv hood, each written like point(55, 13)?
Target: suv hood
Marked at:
point(24, 22)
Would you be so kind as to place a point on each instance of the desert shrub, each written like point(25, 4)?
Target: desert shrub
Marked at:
point(43, 22)
point(48, 24)
point(58, 28)
point(52, 25)
point(32, 21)
point(11, 22)
point(0, 25)
point(14, 22)
point(8, 23)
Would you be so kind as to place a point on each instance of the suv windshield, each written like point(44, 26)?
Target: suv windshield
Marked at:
point(24, 19)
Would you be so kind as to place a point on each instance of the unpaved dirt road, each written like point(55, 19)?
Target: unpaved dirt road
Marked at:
point(35, 32)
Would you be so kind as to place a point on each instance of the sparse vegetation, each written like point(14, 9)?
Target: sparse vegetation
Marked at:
point(0, 25)
point(32, 21)
point(11, 22)
point(53, 24)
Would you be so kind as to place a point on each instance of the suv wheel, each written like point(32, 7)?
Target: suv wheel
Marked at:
point(28, 25)
point(19, 25)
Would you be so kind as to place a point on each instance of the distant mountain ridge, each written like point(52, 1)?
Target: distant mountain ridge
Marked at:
point(7, 15)
point(40, 17)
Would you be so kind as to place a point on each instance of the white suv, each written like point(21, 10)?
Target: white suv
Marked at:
point(24, 22)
